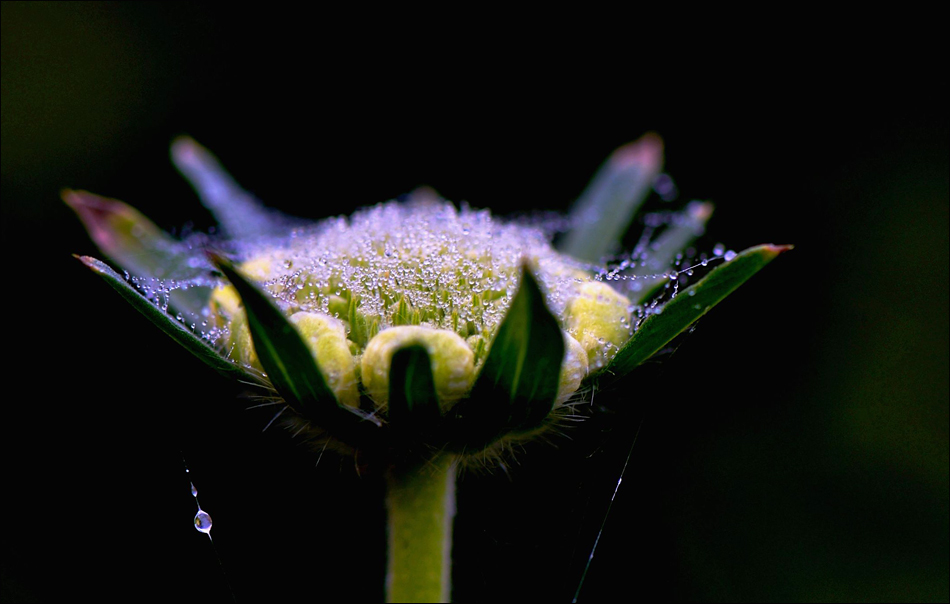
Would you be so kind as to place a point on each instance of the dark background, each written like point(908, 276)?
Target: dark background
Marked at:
point(795, 446)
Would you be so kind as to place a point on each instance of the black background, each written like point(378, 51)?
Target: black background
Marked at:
point(795, 446)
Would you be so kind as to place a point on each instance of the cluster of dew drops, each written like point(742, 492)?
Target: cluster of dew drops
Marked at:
point(451, 266)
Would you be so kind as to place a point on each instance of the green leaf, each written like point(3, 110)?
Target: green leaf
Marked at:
point(689, 305)
point(413, 404)
point(238, 213)
point(138, 246)
point(603, 212)
point(290, 365)
point(178, 332)
point(518, 383)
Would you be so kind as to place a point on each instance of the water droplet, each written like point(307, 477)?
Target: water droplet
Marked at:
point(719, 249)
point(194, 491)
point(203, 522)
point(730, 255)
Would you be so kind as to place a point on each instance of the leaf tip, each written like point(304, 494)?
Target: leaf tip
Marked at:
point(185, 150)
point(775, 250)
point(90, 263)
point(700, 211)
point(646, 151)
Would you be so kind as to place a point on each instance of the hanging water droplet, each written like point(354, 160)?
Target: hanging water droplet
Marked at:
point(203, 522)
point(719, 249)
point(194, 491)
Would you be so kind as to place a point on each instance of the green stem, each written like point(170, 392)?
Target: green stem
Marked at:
point(420, 502)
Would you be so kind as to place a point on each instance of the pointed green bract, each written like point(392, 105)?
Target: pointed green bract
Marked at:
point(237, 211)
point(288, 362)
point(178, 332)
point(689, 305)
point(518, 383)
point(137, 245)
point(605, 209)
point(413, 404)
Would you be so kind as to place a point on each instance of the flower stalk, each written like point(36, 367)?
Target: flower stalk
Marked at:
point(420, 508)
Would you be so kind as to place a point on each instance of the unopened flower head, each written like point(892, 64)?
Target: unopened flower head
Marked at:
point(419, 323)
point(420, 272)
point(417, 334)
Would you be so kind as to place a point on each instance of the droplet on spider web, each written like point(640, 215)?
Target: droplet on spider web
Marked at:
point(203, 522)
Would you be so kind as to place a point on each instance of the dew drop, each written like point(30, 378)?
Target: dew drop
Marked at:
point(194, 491)
point(719, 249)
point(730, 255)
point(203, 522)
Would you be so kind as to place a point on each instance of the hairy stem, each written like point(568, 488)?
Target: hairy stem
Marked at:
point(420, 502)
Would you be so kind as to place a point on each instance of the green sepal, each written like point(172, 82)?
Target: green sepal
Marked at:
point(689, 305)
point(178, 332)
point(236, 211)
point(603, 212)
point(139, 246)
point(518, 383)
point(413, 403)
point(290, 365)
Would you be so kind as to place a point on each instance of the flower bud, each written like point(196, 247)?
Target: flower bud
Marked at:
point(574, 369)
point(228, 312)
point(453, 363)
point(599, 318)
point(326, 339)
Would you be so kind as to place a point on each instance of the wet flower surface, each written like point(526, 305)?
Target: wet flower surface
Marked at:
point(417, 333)
point(359, 289)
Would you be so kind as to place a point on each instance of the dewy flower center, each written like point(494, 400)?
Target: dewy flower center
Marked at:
point(359, 283)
